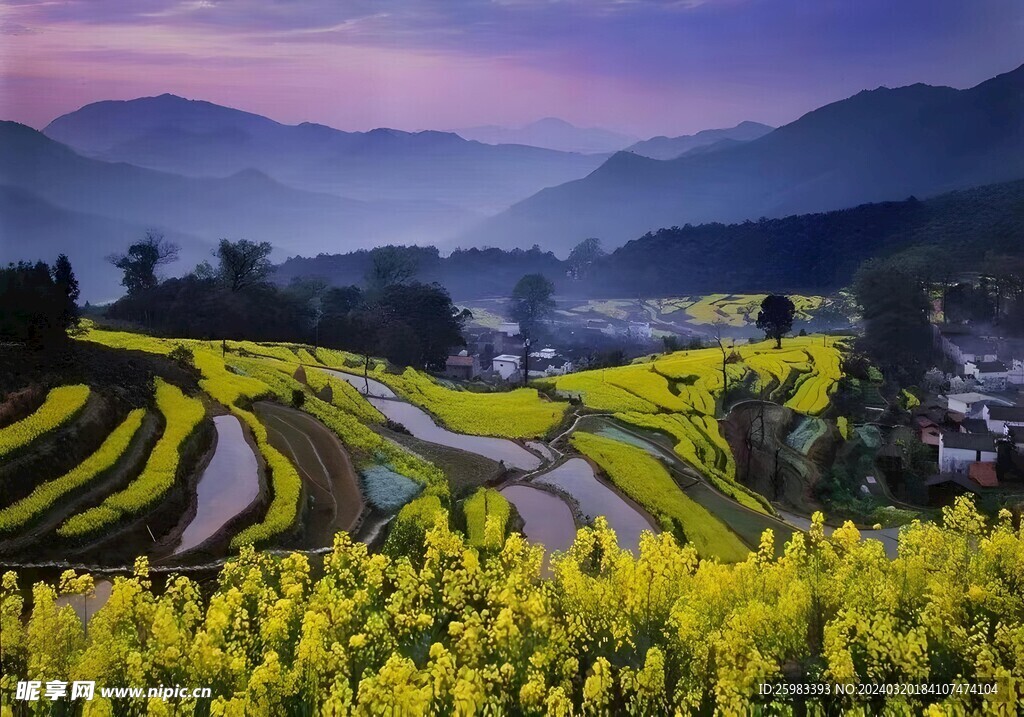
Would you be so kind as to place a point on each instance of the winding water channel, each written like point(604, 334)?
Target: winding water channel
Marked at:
point(547, 519)
point(226, 488)
point(576, 478)
point(421, 425)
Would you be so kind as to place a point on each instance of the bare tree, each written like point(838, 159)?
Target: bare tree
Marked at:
point(142, 259)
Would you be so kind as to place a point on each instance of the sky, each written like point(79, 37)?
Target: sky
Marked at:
point(645, 67)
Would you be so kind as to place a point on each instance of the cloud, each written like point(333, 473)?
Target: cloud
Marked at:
point(640, 65)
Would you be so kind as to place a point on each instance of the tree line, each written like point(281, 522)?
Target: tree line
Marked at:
point(389, 314)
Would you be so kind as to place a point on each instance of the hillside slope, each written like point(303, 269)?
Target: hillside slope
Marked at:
point(199, 138)
point(878, 145)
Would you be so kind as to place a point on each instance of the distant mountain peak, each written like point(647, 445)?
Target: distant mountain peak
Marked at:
point(878, 145)
point(551, 133)
point(551, 122)
point(662, 147)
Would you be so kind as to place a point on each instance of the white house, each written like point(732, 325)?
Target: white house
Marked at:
point(506, 365)
point(1015, 374)
point(997, 418)
point(964, 402)
point(964, 347)
point(547, 362)
point(958, 451)
point(509, 328)
point(991, 374)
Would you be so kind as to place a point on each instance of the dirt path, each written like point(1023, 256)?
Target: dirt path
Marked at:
point(324, 465)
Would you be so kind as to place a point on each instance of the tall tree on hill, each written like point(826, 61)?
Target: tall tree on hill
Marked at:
point(390, 265)
point(67, 284)
point(583, 256)
point(34, 303)
point(142, 260)
point(894, 307)
point(776, 317)
point(243, 263)
point(532, 302)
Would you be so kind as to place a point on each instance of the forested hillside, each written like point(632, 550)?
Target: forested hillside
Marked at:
point(806, 251)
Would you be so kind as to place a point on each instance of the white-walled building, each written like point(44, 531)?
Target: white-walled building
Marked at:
point(991, 374)
point(965, 347)
point(1015, 374)
point(997, 418)
point(547, 362)
point(964, 402)
point(958, 451)
point(506, 365)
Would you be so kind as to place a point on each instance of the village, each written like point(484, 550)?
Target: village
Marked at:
point(976, 423)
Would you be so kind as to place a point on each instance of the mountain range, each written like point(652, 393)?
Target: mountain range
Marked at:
point(552, 133)
point(817, 253)
point(201, 139)
point(98, 177)
point(877, 145)
point(706, 140)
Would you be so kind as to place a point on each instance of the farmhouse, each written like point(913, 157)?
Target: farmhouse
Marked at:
point(547, 362)
point(991, 374)
point(962, 347)
point(957, 451)
point(965, 403)
point(1015, 374)
point(997, 418)
point(506, 366)
point(462, 366)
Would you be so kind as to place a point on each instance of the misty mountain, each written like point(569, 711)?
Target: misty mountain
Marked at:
point(952, 232)
point(551, 133)
point(202, 139)
point(878, 145)
point(818, 252)
point(672, 147)
point(32, 229)
point(247, 204)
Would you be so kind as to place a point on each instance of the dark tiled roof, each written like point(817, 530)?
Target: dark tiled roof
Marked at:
point(974, 425)
point(991, 367)
point(1006, 413)
point(969, 441)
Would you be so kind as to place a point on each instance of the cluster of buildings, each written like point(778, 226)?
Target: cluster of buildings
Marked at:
point(503, 355)
point(994, 363)
point(979, 439)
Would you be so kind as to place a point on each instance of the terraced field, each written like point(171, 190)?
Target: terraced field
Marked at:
point(679, 394)
point(140, 473)
point(521, 413)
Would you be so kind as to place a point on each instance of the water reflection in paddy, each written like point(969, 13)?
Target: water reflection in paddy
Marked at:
point(376, 388)
point(228, 485)
point(420, 424)
point(576, 477)
point(547, 520)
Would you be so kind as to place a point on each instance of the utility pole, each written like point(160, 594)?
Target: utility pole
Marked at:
point(526, 360)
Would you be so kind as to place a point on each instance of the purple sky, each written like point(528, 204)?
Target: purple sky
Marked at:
point(641, 66)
